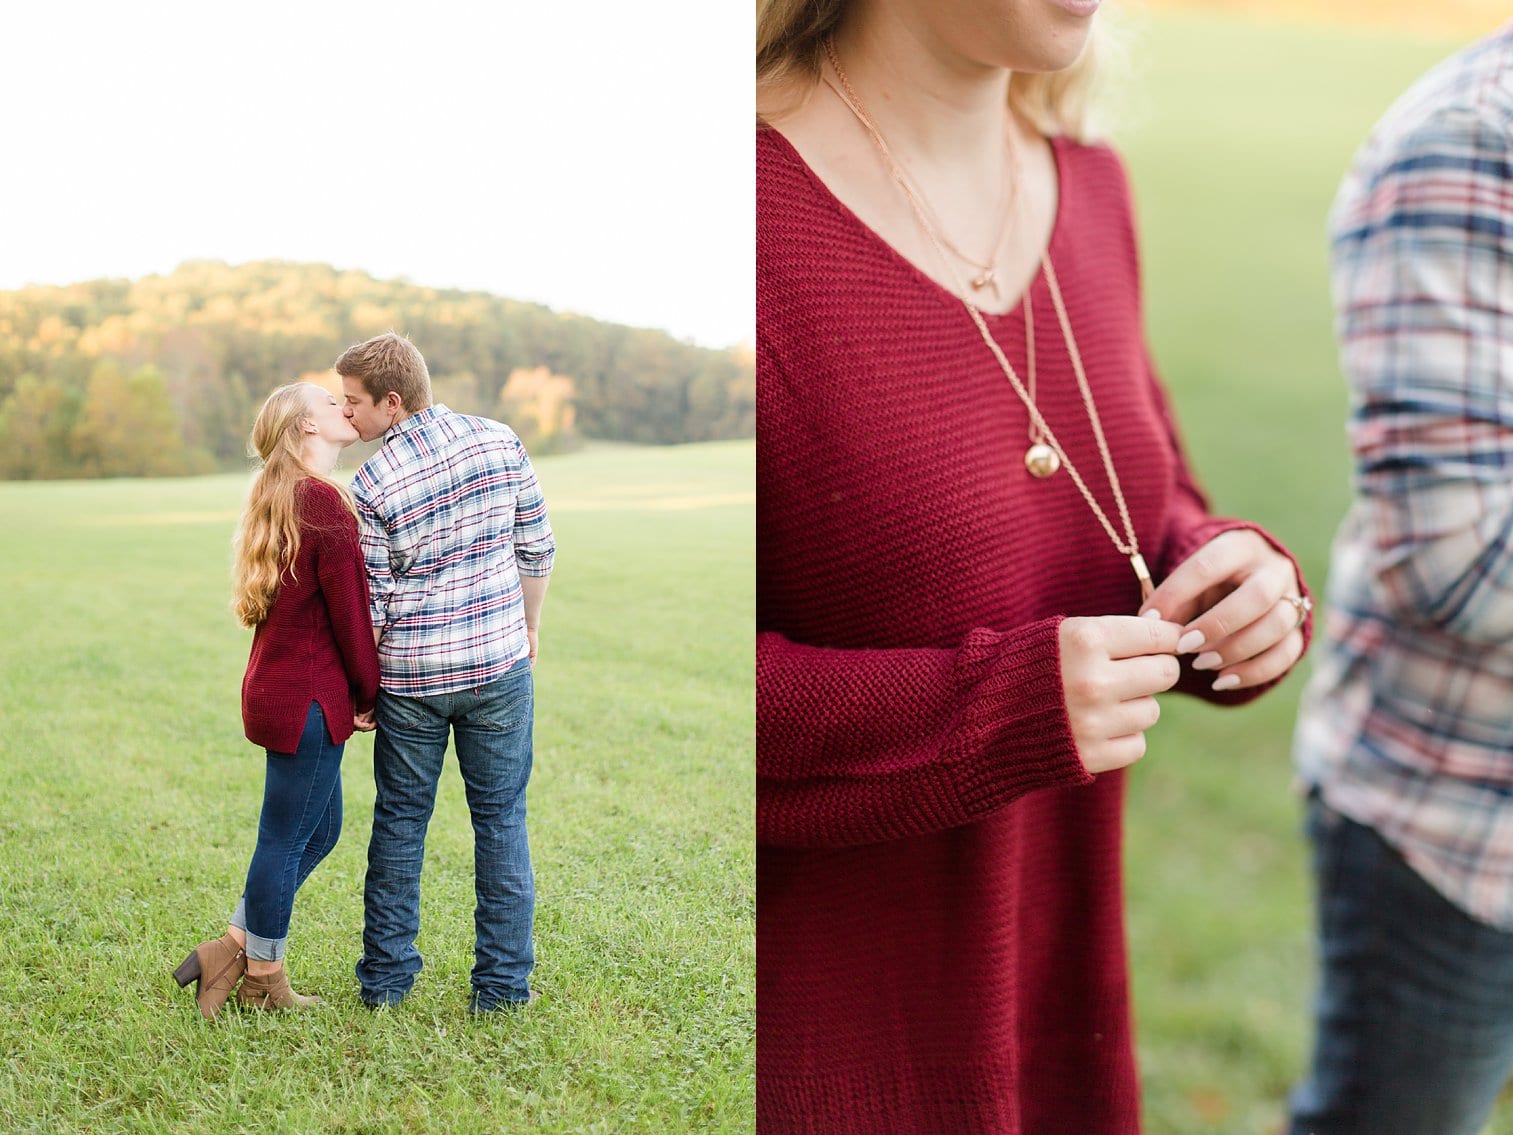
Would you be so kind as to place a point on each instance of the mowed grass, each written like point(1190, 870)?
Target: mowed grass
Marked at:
point(129, 803)
point(1241, 132)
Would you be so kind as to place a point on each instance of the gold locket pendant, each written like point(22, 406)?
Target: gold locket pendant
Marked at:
point(1041, 460)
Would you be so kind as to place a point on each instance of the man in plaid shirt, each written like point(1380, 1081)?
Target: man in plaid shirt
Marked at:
point(1406, 734)
point(458, 550)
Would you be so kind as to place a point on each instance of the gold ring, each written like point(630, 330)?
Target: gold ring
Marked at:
point(1302, 605)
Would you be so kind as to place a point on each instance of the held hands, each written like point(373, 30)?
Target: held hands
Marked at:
point(364, 722)
point(1239, 602)
point(1112, 666)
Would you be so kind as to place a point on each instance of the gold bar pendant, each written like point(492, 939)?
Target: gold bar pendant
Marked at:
point(1143, 574)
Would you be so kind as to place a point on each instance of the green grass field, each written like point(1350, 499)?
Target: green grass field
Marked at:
point(1240, 134)
point(128, 811)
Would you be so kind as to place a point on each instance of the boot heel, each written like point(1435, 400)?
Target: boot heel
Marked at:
point(189, 969)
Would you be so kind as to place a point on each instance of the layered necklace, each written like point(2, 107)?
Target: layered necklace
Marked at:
point(1045, 454)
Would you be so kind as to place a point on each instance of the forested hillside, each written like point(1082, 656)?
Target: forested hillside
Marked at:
point(161, 376)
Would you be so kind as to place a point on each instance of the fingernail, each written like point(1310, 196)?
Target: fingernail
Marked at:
point(1228, 682)
point(1208, 660)
point(1150, 613)
point(1189, 642)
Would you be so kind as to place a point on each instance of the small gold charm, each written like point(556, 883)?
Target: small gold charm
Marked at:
point(984, 280)
point(1041, 460)
point(1143, 574)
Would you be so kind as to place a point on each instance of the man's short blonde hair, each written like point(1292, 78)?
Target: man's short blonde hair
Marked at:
point(385, 363)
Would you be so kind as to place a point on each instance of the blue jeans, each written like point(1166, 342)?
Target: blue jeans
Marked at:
point(1414, 1011)
point(300, 824)
point(492, 729)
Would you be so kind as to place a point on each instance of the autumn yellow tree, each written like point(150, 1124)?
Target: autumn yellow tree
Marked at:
point(538, 405)
point(128, 428)
point(35, 421)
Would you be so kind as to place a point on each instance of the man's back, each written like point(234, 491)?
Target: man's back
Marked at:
point(452, 516)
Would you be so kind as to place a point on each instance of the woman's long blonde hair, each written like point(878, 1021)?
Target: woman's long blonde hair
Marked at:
point(791, 34)
point(267, 539)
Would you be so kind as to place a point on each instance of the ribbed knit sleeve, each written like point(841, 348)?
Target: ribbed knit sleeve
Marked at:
point(344, 586)
point(1190, 525)
point(861, 746)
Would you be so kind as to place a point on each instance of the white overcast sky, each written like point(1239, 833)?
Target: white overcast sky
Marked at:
point(590, 155)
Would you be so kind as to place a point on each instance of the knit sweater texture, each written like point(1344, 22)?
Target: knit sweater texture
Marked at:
point(316, 643)
point(940, 929)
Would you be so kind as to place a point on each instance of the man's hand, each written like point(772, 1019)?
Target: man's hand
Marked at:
point(533, 590)
point(365, 722)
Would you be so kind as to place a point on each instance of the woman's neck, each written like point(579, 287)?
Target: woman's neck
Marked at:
point(320, 456)
point(933, 105)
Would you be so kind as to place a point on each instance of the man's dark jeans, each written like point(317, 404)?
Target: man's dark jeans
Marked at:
point(1414, 1015)
point(491, 726)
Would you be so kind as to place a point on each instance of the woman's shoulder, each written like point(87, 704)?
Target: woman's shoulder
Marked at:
point(795, 214)
point(781, 178)
point(1097, 205)
point(774, 153)
point(316, 492)
point(1094, 166)
point(320, 501)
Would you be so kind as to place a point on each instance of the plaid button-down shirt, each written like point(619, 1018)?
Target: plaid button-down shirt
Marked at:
point(450, 517)
point(1407, 726)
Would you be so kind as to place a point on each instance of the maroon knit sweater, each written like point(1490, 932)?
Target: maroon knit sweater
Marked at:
point(317, 642)
point(940, 930)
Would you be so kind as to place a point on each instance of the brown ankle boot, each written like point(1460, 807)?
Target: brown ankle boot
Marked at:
point(271, 991)
point(215, 967)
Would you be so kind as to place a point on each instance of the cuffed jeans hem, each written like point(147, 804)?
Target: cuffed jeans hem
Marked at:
point(385, 987)
point(380, 1000)
point(490, 1003)
point(259, 949)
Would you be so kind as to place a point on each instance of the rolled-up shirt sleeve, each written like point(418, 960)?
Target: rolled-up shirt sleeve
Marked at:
point(1423, 280)
point(535, 547)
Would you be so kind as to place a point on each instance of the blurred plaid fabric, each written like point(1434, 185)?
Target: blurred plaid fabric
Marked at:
point(1407, 725)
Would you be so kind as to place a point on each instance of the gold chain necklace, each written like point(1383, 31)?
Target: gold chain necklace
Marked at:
point(986, 273)
point(1040, 459)
point(1038, 463)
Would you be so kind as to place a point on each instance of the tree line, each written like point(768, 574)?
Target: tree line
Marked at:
point(163, 375)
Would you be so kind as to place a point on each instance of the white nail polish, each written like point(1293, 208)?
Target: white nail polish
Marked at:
point(1189, 642)
point(1228, 682)
point(1208, 660)
point(1152, 613)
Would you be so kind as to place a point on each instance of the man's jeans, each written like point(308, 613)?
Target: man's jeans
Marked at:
point(492, 728)
point(1414, 1010)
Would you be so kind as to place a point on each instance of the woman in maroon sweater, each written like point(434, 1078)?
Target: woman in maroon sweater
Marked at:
point(968, 482)
point(299, 580)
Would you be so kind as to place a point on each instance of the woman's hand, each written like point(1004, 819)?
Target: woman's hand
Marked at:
point(1241, 609)
point(1112, 666)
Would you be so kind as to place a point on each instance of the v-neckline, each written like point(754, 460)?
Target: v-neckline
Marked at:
point(927, 281)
